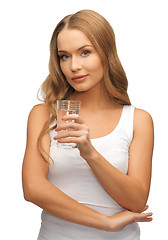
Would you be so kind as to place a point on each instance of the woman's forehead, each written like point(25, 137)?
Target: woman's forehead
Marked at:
point(72, 39)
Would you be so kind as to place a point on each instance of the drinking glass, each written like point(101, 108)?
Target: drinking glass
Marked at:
point(66, 107)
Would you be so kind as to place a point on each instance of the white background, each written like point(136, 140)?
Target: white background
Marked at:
point(26, 28)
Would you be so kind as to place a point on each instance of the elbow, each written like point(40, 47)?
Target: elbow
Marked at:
point(33, 191)
point(139, 203)
point(138, 207)
point(27, 196)
point(28, 192)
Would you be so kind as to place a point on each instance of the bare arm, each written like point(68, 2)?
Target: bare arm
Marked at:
point(131, 190)
point(38, 190)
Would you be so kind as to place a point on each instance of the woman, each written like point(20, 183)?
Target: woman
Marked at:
point(99, 189)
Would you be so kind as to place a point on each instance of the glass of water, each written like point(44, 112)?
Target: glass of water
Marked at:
point(66, 107)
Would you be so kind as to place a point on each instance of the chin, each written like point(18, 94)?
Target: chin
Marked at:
point(81, 88)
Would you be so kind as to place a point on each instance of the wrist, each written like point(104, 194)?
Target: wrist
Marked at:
point(104, 223)
point(90, 155)
point(108, 223)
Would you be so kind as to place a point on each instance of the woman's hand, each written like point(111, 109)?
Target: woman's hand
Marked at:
point(78, 132)
point(120, 220)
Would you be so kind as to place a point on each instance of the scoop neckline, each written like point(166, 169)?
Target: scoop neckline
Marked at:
point(114, 130)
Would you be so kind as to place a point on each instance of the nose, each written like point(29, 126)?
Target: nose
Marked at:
point(75, 64)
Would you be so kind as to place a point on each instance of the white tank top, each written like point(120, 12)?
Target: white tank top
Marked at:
point(72, 175)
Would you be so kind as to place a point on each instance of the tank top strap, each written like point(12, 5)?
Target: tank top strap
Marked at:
point(55, 121)
point(52, 132)
point(126, 123)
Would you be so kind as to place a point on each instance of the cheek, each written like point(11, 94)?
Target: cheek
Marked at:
point(95, 63)
point(97, 68)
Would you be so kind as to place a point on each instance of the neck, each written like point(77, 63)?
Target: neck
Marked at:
point(93, 99)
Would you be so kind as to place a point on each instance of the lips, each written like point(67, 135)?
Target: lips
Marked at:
point(79, 78)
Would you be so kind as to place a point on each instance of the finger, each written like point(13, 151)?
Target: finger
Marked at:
point(145, 208)
point(68, 140)
point(76, 140)
point(65, 126)
point(145, 220)
point(66, 134)
point(143, 217)
point(145, 214)
point(75, 117)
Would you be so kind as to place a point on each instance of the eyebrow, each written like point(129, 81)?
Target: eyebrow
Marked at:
point(77, 49)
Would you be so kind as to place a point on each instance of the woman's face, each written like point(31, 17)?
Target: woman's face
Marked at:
point(79, 61)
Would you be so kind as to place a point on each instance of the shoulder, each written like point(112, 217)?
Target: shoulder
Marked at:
point(142, 120)
point(40, 111)
point(38, 116)
point(142, 116)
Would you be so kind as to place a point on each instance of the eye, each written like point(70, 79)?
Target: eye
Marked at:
point(64, 57)
point(85, 53)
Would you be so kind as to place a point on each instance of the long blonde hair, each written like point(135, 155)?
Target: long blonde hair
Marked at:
point(101, 34)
